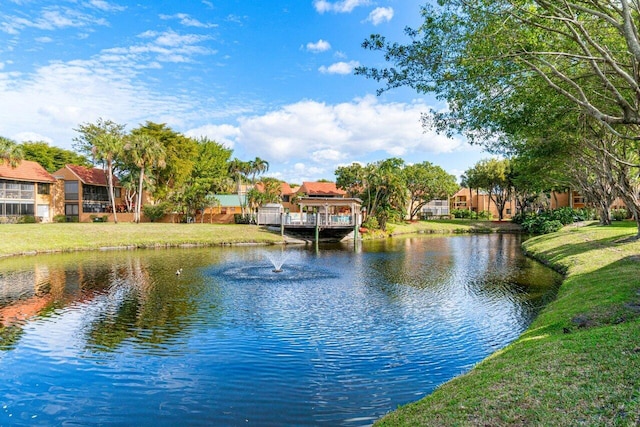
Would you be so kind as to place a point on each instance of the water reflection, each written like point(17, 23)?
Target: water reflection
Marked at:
point(339, 337)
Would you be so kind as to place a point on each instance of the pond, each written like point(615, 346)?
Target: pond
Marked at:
point(339, 337)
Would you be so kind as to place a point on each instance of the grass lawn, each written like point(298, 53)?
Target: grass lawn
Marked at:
point(577, 364)
point(17, 239)
point(29, 238)
point(453, 226)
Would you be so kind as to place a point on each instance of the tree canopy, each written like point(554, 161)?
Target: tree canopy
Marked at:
point(513, 71)
point(50, 157)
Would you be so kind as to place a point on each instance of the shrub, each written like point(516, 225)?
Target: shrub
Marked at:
point(371, 223)
point(521, 217)
point(565, 215)
point(541, 224)
point(462, 213)
point(584, 214)
point(59, 218)
point(27, 219)
point(619, 214)
point(155, 212)
point(241, 219)
point(484, 215)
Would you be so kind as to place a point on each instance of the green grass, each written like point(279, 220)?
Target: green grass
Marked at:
point(577, 364)
point(451, 226)
point(17, 239)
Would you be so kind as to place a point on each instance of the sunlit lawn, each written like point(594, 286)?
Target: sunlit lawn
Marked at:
point(28, 238)
point(35, 238)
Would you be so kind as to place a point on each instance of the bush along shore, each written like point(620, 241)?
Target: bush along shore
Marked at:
point(579, 361)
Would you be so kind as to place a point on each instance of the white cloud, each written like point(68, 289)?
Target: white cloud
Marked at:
point(319, 46)
point(308, 140)
point(31, 136)
point(188, 21)
point(55, 99)
point(167, 46)
point(50, 19)
point(223, 134)
point(339, 68)
point(380, 15)
point(44, 39)
point(106, 6)
point(343, 6)
point(318, 133)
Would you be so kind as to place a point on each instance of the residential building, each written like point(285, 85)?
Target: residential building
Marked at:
point(85, 195)
point(25, 190)
point(478, 201)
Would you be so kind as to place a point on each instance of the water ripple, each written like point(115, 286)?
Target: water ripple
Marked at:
point(336, 338)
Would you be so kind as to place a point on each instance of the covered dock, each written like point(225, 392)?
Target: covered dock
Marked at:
point(320, 218)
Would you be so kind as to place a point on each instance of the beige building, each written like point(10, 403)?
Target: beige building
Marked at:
point(26, 190)
point(480, 201)
point(83, 195)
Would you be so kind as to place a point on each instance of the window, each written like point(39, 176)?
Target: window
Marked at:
point(16, 190)
point(27, 209)
point(508, 211)
point(286, 199)
point(94, 207)
point(12, 209)
point(71, 190)
point(71, 209)
point(12, 190)
point(95, 193)
point(116, 192)
point(43, 188)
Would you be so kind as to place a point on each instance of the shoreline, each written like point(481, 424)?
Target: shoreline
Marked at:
point(578, 361)
point(35, 239)
point(590, 333)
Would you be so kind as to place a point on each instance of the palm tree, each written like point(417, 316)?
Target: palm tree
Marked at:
point(106, 148)
point(144, 151)
point(103, 140)
point(238, 168)
point(257, 166)
point(10, 152)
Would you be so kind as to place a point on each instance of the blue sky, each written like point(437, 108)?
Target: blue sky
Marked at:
point(272, 79)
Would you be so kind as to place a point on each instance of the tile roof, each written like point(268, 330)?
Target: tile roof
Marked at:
point(92, 176)
point(285, 189)
point(26, 171)
point(321, 189)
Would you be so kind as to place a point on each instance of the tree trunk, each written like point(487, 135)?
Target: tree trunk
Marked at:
point(111, 192)
point(139, 201)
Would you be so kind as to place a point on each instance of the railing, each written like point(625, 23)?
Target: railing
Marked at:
point(306, 219)
point(310, 219)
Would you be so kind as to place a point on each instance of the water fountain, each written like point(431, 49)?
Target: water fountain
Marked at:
point(277, 261)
